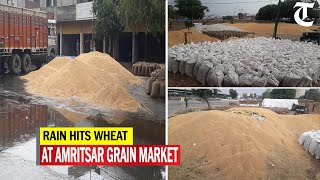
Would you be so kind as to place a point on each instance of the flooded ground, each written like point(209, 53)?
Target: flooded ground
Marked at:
point(22, 113)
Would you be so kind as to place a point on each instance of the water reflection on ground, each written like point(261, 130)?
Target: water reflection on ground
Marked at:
point(21, 114)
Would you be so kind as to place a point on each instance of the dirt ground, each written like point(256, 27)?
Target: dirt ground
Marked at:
point(178, 37)
point(224, 145)
point(267, 28)
point(179, 80)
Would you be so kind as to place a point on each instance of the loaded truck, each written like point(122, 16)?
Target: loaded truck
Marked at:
point(311, 37)
point(24, 39)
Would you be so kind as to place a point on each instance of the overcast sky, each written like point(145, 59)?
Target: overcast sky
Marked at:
point(233, 7)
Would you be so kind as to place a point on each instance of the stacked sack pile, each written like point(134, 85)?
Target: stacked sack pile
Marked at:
point(311, 142)
point(248, 62)
point(145, 68)
point(157, 84)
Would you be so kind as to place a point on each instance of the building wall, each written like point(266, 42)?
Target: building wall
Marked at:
point(16, 3)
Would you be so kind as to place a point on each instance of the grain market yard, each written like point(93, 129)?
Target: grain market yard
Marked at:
point(72, 93)
point(227, 145)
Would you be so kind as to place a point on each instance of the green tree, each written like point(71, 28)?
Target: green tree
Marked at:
point(107, 22)
point(266, 94)
point(216, 92)
point(150, 13)
point(269, 12)
point(172, 12)
point(233, 93)
point(203, 94)
point(245, 96)
point(312, 94)
point(283, 94)
point(191, 9)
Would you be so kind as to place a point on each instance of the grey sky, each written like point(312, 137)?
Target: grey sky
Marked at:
point(233, 7)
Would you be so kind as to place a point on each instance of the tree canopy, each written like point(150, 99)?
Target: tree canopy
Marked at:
point(112, 16)
point(266, 94)
point(172, 12)
point(191, 9)
point(203, 94)
point(312, 94)
point(107, 22)
point(233, 93)
point(283, 94)
point(150, 13)
point(269, 12)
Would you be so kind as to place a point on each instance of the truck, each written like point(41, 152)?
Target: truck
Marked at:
point(300, 109)
point(24, 39)
point(311, 37)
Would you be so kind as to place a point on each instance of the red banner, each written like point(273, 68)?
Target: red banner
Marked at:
point(137, 155)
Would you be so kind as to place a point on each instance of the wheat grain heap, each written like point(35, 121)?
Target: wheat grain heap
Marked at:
point(247, 62)
point(94, 77)
point(228, 145)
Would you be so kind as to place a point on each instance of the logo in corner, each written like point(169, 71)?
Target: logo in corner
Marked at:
point(304, 7)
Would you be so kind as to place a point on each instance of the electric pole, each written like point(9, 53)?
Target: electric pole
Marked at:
point(277, 21)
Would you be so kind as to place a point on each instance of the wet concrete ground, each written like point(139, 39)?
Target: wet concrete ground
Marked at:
point(176, 106)
point(22, 113)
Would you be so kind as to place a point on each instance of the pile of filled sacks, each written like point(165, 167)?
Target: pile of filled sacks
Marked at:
point(248, 62)
point(157, 84)
point(311, 142)
point(145, 68)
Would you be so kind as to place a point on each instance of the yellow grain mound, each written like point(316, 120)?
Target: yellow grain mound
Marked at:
point(93, 77)
point(178, 37)
point(226, 145)
point(267, 28)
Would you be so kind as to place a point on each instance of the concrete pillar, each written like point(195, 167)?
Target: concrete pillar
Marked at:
point(61, 47)
point(109, 46)
point(81, 43)
point(134, 48)
point(104, 45)
point(146, 46)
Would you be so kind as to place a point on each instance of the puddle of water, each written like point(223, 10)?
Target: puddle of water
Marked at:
point(19, 120)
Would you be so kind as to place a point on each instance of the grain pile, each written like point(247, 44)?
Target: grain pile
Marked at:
point(94, 78)
point(267, 28)
point(225, 145)
point(177, 37)
point(215, 27)
point(249, 62)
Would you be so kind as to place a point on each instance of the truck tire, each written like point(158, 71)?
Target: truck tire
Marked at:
point(51, 56)
point(3, 69)
point(14, 64)
point(38, 64)
point(25, 63)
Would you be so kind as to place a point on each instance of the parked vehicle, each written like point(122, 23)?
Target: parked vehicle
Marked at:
point(23, 39)
point(311, 37)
